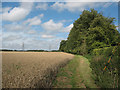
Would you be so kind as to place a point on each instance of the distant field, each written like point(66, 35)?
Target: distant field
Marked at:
point(31, 69)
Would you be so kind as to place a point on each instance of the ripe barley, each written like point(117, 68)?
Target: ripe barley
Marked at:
point(31, 69)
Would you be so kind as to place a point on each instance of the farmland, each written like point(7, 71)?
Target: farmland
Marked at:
point(31, 69)
point(88, 58)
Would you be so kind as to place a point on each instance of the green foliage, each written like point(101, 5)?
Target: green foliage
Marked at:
point(91, 31)
point(62, 45)
point(102, 51)
point(109, 77)
point(94, 34)
point(55, 51)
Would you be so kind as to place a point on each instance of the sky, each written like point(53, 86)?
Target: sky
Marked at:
point(42, 25)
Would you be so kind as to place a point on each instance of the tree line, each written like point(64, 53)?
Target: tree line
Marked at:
point(90, 31)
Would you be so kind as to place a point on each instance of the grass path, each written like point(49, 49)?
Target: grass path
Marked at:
point(76, 74)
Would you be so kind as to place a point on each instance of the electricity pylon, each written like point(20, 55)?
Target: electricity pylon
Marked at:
point(23, 46)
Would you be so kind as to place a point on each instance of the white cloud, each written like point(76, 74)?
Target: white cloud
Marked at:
point(42, 6)
point(58, 6)
point(14, 40)
point(47, 36)
point(15, 27)
point(31, 32)
point(34, 21)
point(17, 13)
point(52, 26)
point(68, 28)
point(107, 4)
point(77, 6)
point(29, 42)
point(12, 36)
point(41, 15)
point(0, 7)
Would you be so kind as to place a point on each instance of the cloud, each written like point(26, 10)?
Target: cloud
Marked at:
point(41, 15)
point(31, 38)
point(47, 36)
point(34, 21)
point(29, 42)
point(12, 38)
point(68, 28)
point(17, 13)
point(31, 32)
point(52, 26)
point(107, 4)
point(15, 27)
point(0, 7)
point(58, 6)
point(42, 6)
point(77, 6)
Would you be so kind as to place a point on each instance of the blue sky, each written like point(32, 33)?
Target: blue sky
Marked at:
point(43, 24)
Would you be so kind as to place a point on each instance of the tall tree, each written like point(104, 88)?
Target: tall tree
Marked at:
point(92, 30)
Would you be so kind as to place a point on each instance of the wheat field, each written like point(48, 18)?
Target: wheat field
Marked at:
point(31, 69)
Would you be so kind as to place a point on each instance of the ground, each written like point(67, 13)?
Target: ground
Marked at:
point(76, 74)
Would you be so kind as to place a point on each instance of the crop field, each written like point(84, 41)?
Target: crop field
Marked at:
point(31, 69)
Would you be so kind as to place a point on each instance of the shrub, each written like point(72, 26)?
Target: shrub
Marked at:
point(107, 78)
point(103, 51)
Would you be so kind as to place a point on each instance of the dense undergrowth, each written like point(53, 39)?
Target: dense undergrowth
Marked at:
point(107, 78)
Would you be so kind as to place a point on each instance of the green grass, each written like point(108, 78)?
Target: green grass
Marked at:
point(86, 73)
point(76, 74)
point(89, 57)
point(67, 72)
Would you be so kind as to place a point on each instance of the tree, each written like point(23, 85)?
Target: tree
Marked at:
point(62, 45)
point(90, 31)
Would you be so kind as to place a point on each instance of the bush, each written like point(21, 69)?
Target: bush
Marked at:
point(107, 78)
point(103, 51)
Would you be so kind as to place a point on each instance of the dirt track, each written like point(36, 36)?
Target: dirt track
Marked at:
point(76, 74)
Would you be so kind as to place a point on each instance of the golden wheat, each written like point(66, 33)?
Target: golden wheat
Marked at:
point(31, 69)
